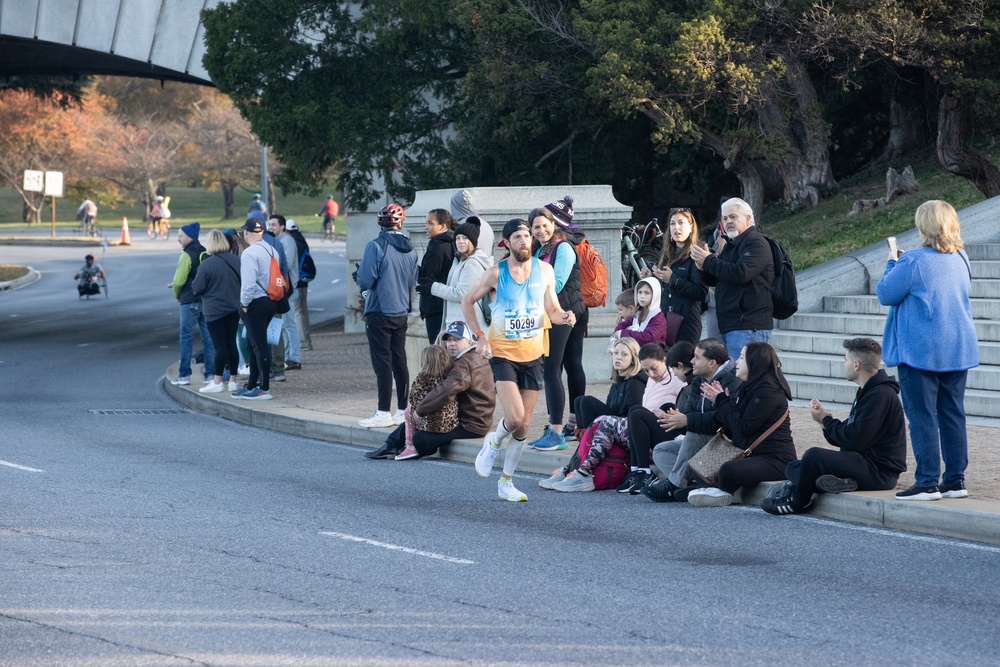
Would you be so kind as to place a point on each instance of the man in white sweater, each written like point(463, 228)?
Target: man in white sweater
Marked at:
point(256, 308)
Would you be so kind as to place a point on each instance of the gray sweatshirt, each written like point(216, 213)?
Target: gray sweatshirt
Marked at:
point(255, 269)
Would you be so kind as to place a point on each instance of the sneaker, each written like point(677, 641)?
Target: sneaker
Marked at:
point(243, 370)
point(557, 476)
point(213, 388)
point(569, 432)
point(487, 455)
point(710, 497)
point(681, 495)
point(919, 493)
point(834, 484)
point(408, 453)
point(398, 418)
point(209, 379)
point(233, 386)
point(549, 442)
point(627, 482)
point(278, 377)
point(293, 366)
point(240, 393)
point(506, 491)
point(257, 394)
point(377, 420)
point(639, 480)
point(781, 505)
point(659, 491)
point(575, 482)
point(956, 490)
point(541, 438)
point(182, 380)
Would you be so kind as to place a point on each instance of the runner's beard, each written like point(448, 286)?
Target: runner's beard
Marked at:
point(521, 254)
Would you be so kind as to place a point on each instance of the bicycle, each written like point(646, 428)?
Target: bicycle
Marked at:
point(639, 251)
point(330, 229)
point(158, 227)
point(89, 227)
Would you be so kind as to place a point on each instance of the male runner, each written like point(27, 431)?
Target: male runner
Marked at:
point(525, 293)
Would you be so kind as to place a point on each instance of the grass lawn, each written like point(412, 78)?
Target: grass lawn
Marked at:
point(826, 232)
point(186, 205)
point(11, 272)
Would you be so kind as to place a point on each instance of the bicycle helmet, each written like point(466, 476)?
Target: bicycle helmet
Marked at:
point(391, 215)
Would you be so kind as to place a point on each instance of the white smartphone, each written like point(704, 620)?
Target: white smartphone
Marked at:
point(893, 249)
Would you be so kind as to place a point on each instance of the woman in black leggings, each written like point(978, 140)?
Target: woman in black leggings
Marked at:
point(552, 229)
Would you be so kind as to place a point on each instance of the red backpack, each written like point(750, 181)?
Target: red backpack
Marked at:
point(593, 275)
point(611, 471)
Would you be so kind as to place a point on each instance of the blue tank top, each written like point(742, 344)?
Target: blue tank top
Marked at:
point(518, 315)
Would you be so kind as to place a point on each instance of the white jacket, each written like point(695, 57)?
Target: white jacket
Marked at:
point(462, 276)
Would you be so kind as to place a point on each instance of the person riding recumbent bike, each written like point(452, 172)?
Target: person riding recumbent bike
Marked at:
point(91, 279)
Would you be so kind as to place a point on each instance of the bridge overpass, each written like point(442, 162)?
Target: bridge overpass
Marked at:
point(159, 39)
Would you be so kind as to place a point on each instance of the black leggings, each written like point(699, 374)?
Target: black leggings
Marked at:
point(387, 347)
point(644, 433)
point(223, 332)
point(750, 471)
point(259, 314)
point(565, 352)
point(427, 443)
point(587, 409)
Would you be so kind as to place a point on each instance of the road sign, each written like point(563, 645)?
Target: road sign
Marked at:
point(33, 180)
point(53, 184)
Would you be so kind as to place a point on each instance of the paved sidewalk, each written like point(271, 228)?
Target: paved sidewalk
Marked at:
point(336, 387)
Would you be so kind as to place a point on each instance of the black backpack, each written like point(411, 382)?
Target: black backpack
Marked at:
point(784, 294)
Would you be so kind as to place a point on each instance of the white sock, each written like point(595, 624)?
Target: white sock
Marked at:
point(382, 413)
point(633, 468)
point(502, 434)
point(512, 456)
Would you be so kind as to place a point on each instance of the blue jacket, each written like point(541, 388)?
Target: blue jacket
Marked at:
point(388, 272)
point(930, 319)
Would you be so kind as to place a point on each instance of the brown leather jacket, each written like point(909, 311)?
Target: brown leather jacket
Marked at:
point(470, 384)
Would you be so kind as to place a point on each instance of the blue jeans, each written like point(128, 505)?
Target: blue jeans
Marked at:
point(736, 340)
point(290, 332)
point(192, 317)
point(934, 404)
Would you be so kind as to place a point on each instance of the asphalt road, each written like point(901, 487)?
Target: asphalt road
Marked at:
point(131, 538)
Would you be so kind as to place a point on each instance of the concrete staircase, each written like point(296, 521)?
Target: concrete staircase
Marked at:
point(812, 355)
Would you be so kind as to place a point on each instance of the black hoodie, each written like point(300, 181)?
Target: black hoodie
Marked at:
point(875, 428)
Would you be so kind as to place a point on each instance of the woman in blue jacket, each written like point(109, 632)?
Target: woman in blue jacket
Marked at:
point(930, 336)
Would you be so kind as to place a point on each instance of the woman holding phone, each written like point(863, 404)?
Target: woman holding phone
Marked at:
point(929, 335)
point(683, 291)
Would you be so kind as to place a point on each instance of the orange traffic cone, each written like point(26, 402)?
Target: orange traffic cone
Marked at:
point(126, 237)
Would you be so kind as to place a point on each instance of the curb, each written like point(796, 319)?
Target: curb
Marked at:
point(57, 241)
point(31, 276)
point(962, 519)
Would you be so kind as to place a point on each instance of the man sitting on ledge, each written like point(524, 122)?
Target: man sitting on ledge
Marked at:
point(872, 441)
point(469, 383)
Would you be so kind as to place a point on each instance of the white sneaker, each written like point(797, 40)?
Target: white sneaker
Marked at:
point(243, 370)
point(710, 497)
point(208, 380)
point(233, 386)
point(486, 456)
point(213, 388)
point(398, 418)
point(506, 491)
point(183, 380)
point(377, 420)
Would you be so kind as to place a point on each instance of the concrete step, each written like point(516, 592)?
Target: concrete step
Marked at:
point(978, 403)
point(864, 304)
point(983, 251)
point(985, 269)
point(804, 364)
point(866, 325)
point(833, 344)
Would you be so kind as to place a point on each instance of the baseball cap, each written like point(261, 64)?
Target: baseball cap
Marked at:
point(291, 224)
point(457, 330)
point(255, 223)
point(513, 225)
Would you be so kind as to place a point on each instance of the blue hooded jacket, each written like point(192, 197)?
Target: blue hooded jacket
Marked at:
point(388, 272)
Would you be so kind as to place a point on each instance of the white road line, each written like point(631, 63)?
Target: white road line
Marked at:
point(14, 465)
point(396, 547)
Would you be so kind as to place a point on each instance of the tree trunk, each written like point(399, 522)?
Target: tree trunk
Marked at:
point(800, 136)
point(228, 200)
point(905, 133)
point(955, 127)
point(735, 160)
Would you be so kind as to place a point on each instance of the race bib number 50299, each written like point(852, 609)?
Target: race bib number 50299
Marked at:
point(522, 323)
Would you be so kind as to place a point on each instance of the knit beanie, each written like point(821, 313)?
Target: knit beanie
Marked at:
point(562, 210)
point(192, 230)
point(470, 230)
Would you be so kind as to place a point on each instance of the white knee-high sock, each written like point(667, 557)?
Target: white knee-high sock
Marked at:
point(512, 456)
point(502, 433)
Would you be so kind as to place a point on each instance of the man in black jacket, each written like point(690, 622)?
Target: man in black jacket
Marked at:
point(302, 286)
point(872, 441)
point(742, 275)
point(710, 362)
point(434, 268)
